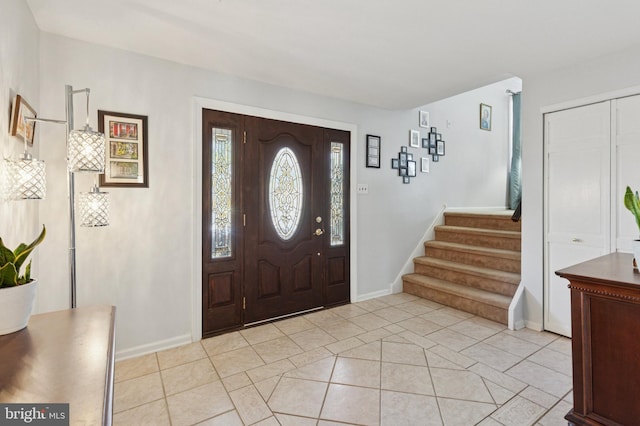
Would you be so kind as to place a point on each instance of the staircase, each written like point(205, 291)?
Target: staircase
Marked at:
point(472, 265)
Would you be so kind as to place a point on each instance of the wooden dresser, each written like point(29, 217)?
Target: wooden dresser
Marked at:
point(63, 357)
point(605, 327)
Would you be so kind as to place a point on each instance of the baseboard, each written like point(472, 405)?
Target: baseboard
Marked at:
point(154, 347)
point(373, 295)
point(533, 325)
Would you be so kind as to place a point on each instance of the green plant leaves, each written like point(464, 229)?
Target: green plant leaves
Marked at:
point(11, 262)
point(632, 203)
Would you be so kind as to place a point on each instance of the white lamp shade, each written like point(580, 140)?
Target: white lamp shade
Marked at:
point(25, 179)
point(94, 208)
point(86, 151)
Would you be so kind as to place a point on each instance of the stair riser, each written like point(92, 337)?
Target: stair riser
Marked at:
point(484, 283)
point(467, 305)
point(499, 263)
point(502, 224)
point(489, 241)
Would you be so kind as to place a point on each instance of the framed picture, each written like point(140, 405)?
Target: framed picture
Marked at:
point(373, 151)
point(403, 149)
point(423, 119)
point(433, 145)
point(433, 130)
point(409, 156)
point(20, 110)
point(485, 117)
point(405, 179)
point(424, 165)
point(425, 142)
point(394, 163)
point(402, 157)
point(414, 138)
point(127, 156)
point(411, 168)
point(402, 171)
point(435, 158)
point(438, 136)
point(440, 148)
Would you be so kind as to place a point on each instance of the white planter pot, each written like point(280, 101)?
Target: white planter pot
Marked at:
point(16, 304)
point(635, 244)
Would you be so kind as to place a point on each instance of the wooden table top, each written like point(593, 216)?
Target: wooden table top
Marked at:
point(62, 357)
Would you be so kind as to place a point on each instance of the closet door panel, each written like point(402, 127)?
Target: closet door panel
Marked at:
point(627, 159)
point(578, 198)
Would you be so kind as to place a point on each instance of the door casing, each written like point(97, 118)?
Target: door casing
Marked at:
point(196, 273)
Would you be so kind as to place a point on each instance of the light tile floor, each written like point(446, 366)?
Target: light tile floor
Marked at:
point(395, 360)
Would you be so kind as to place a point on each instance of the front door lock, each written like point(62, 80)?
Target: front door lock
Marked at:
point(319, 232)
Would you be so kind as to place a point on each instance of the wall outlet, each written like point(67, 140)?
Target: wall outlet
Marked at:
point(362, 189)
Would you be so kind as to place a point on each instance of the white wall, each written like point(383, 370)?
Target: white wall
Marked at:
point(19, 72)
point(142, 262)
point(589, 81)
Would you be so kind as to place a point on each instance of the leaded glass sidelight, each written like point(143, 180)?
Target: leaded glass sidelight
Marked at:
point(221, 184)
point(285, 193)
point(337, 194)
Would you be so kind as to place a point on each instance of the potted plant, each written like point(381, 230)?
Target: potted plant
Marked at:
point(632, 203)
point(17, 291)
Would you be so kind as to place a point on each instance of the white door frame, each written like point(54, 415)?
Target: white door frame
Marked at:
point(199, 104)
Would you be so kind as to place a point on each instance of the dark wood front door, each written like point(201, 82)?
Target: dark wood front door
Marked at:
point(275, 219)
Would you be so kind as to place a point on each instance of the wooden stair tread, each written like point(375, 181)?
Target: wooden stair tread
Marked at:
point(480, 231)
point(507, 254)
point(459, 290)
point(508, 277)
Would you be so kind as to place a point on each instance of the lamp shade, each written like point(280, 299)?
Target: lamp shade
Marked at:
point(25, 178)
point(86, 151)
point(94, 208)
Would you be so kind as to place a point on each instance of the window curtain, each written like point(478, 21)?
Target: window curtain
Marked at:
point(515, 174)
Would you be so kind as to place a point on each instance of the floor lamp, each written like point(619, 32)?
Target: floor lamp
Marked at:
point(85, 153)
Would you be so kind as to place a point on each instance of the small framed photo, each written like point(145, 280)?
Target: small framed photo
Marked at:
point(127, 157)
point(414, 138)
point(433, 146)
point(435, 158)
point(438, 136)
point(485, 117)
point(425, 142)
point(402, 171)
point(402, 157)
point(433, 137)
point(403, 149)
point(423, 119)
point(395, 163)
point(373, 151)
point(424, 165)
point(409, 156)
point(433, 130)
point(440, 148)
point(411, 168)
point(20, 110)
point(405, 179)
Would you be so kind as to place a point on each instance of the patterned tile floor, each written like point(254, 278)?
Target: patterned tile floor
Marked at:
point(395, 360)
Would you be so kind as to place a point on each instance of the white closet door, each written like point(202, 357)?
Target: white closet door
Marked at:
point(627, 154)
point(577, 197)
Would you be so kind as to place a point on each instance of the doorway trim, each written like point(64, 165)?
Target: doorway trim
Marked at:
point(200, 103)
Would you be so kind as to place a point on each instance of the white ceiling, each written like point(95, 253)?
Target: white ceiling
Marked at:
point(391, 54)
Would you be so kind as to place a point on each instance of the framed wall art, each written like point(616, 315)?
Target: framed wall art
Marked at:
point(20, 110)
point(414, 138)
point(485, 117)
point(424, 165)
point(373, 151)
point(127, 156)
point(423, 119)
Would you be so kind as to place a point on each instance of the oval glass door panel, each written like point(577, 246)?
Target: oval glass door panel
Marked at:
point(285, 193)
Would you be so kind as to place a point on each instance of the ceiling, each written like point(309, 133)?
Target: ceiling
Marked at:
point(390, 54)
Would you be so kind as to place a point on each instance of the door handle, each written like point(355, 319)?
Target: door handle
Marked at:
point(318, 232)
